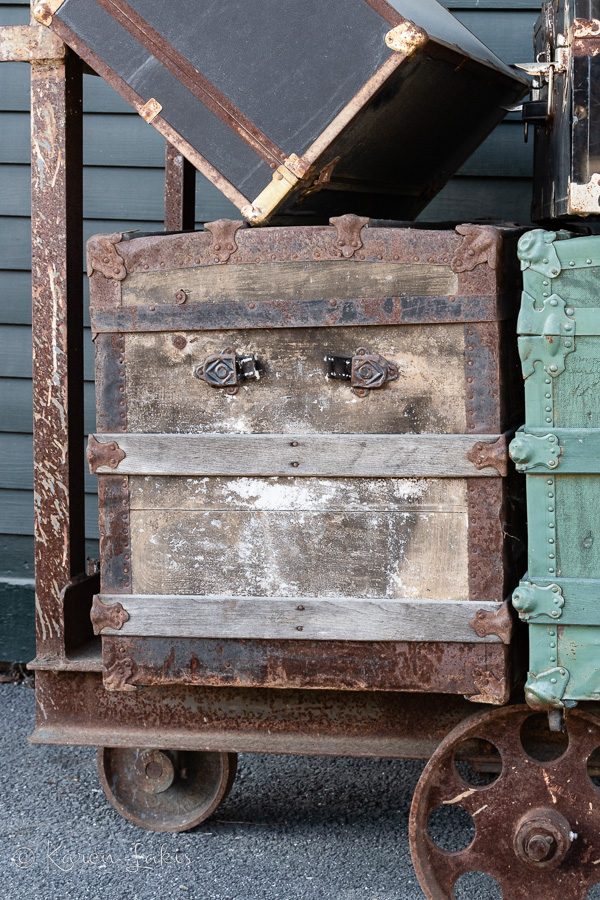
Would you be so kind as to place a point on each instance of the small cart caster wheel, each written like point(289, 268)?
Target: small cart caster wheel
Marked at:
point(165, 790)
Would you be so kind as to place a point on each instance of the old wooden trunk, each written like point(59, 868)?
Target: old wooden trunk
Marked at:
point(301, 449)
point(301, 107)
point(564, 110)
point(559, 451)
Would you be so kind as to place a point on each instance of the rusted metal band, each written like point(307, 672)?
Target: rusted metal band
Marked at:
point(115, 540)
point(234, 314)
point(482, 374)
point(111, 397)
point(487, 545)
point(437, 667)
point(193, 80)
point(78, 710)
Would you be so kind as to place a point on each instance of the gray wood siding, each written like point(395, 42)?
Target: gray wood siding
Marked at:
point(124, 190)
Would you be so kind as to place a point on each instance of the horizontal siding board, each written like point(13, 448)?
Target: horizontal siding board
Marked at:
point(16, 555)
point(472, 199)
point(16, 406)
point(15, 352)
point(126, 142)
point(18, 449)
point(114, 193)
point(16, 513)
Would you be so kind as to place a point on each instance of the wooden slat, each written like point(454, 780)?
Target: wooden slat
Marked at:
point(301, 618)
point(343, 455)
point(306, 280)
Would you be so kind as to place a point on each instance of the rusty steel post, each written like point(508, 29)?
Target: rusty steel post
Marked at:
point(57, 323)
point(180, 191)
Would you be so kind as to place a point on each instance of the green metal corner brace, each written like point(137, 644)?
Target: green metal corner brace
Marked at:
point(528, 451)
point(547, 689)
point(554, 318)
point(531, 601)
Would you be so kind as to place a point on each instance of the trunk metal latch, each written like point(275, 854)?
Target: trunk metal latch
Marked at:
point(227, 370)
point(365, 371)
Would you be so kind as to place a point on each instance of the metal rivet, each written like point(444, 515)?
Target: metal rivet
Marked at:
point(553, 368)
point(545, 283)
point(569, 310)
point(548, 380)
point(552, 302)
point(562, 672)
point(555, 614)
point(295, 465)
point(572, 262)
point(299, 628)
point(294, 444)
point(553, 680)
point(568, 328)
point(551, 571)
point(552, 659)
point(551, 556)
point(300, 607)
point(550, 509)
point(548, 409)
point(551, 524)
point(589, 262)
point(551, 633)
point(568, 344)
point(550, 540)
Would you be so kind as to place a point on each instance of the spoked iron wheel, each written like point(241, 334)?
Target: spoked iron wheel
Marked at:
point(165, 790)
point(537, 826)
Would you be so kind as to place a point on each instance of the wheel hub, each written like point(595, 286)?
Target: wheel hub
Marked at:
point(155, 770)
point(543, 838)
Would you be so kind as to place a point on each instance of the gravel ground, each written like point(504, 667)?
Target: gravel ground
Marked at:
point(293, 828)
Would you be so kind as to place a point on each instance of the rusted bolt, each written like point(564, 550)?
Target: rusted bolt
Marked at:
point(300, 608)
point(180, 297)
point(294, 444)
point(299, 628)
point(295, 465)
point(179, 342)
point(540, 847)
point(251, 305)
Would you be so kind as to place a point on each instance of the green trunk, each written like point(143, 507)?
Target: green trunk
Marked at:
point(559, 451)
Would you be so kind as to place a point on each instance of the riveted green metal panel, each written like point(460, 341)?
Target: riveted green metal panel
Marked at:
point(558, 449)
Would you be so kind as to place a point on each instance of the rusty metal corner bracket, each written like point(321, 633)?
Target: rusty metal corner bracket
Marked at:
point(493, 455)
point(349, 228)
point(481, 245)
point(499, 623)
point(117, 677)
point(107, 615)
point(103, 256)
point(224, 237)
point(101, 454)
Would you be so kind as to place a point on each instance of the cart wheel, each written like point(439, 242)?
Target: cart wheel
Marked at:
point(537, 826)
point(165, 790)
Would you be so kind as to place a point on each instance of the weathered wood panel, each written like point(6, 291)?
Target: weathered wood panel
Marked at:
point(346, 455)
point(301, 537)
point(278, 618)
point(290, 281)
point(428, 495)
point(293, 395)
